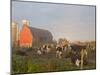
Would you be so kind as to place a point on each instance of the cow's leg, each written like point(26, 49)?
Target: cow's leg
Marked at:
point(57, 54)
point(77, 62)
point(60, 55)
point(82, 56)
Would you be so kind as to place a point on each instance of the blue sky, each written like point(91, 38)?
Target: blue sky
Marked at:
point(72, 22)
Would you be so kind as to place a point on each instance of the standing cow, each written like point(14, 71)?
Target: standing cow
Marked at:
point(59, 52)
point(79, 54)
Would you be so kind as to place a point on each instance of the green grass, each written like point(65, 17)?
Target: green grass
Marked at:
point(24, 65)
point(34, 63)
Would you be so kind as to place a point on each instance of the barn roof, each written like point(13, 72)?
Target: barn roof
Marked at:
point(41, 33)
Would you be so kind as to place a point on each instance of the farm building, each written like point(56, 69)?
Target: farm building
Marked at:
point(15, 33)
point(30, 35)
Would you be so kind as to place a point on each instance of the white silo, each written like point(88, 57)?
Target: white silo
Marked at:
point(25, 22)
point(14, 33)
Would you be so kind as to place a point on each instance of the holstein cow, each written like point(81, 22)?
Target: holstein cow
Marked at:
point(46, 49)
point(59, 52)
point(63, 50)
point(39, 52)
point(79, 54)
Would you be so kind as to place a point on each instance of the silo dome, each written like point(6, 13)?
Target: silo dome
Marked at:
point(14, 24)
point(25, 22)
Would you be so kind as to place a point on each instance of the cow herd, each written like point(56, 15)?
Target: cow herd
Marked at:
point(77, 53)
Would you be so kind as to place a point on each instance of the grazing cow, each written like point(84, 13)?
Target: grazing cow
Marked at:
point(46, 49)
point(43, 49)
point(39, 52)
point(59, 52)
point(79, 54)
point(66, 49)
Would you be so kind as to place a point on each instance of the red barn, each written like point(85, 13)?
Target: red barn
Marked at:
point(25, 37)
point(30, 35)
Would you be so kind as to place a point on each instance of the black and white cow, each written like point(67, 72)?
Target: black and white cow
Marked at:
point(59, 52)
point(46, 49)
point(78, 54)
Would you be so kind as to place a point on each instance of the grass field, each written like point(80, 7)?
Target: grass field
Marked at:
point(30, 62)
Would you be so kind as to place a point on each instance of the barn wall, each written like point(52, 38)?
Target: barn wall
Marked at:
point(25, 37)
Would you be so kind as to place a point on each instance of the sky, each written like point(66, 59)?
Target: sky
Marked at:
point(73, 22)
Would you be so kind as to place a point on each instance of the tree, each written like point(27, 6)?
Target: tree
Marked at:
point(63, 41)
